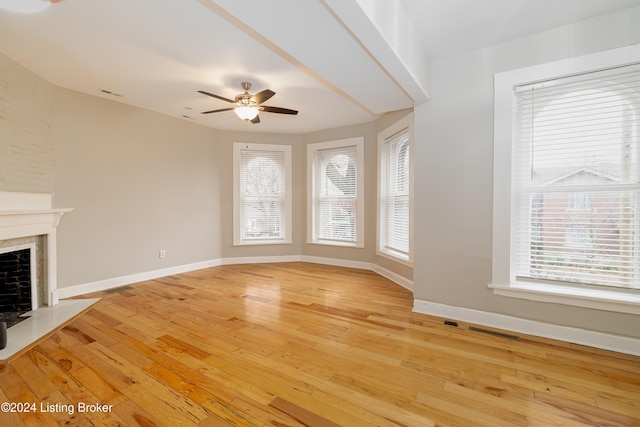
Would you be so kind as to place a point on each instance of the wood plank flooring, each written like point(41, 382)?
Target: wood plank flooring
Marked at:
point(300, 344)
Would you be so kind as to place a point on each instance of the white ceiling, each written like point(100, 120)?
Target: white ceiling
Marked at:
point(449, 27)
point(338, 62)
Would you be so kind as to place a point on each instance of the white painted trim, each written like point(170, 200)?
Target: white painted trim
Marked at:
point(337, 262)
point(601, 340)
point(32, 214)
point(600, 299)
point(504, 281)
point(394, 277)
point(312, 177)
point(102, 285)
point(383, 137)
point(287, 218)
point(260, 259)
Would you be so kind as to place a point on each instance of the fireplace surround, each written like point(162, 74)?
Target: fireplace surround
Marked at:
point(30, 217)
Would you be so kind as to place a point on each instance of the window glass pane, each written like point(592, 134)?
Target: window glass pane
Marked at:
point(394, 196)
point(262, 186)
point(577, 171)
point(337, 194)
point(260, 199)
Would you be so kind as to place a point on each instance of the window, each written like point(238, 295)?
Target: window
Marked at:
point(335, 201)
point(395, 190)
point(567, 181)
point(262, 194)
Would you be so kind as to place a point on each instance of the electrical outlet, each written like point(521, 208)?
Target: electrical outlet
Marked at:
point(162, 253)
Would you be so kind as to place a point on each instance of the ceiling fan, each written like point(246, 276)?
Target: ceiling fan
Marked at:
point(248, 106)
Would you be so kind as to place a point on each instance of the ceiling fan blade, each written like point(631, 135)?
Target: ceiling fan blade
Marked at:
point(216, 96)
point(278, 110)
point(255, 120)
point(217, 111)
point(261, 97)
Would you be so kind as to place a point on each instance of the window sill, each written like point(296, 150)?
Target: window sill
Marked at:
point(600, 299)
point(336, 243)
point(261, 242)
point(395, 258)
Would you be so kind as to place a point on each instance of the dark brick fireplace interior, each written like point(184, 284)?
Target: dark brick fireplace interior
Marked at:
point(15, 285)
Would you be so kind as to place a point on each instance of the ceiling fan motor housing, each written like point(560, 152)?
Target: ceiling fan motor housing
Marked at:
point(244, 100)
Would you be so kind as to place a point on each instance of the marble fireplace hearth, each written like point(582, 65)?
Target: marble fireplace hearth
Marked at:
point(42, 322)
point(30, 219)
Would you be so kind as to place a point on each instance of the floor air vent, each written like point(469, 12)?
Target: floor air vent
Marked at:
point(494, 333)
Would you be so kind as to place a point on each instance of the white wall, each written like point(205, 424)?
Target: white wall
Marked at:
point(453, 179)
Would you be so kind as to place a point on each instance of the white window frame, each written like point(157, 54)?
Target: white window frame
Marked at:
point(401, 126)
point(312, 197)
point(504, 281)
point(286, 236)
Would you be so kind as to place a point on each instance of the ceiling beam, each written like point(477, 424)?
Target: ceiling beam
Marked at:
point(315, 39)
point(386, 32)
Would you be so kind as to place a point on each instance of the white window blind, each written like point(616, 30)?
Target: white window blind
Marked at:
point(262, 199)
point(336, 192)
point(577, 179)
point(394, 195)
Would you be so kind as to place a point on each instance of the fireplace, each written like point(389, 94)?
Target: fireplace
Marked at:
point(18, 282)
point(28, 222)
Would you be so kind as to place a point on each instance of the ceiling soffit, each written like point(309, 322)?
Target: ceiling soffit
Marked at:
point(337, 43)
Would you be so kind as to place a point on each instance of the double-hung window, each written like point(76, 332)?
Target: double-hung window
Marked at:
point(567, 182)
point(394, 190)
point(335, 193)
point(262, 194)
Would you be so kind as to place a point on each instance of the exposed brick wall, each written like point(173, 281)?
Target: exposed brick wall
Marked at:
point(26, 149)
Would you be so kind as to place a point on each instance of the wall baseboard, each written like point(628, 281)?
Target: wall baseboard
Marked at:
point(618, 343)
point(396, 278)
point(601, 340)
point(103, 285)
point(337, 262)
point(260, 259)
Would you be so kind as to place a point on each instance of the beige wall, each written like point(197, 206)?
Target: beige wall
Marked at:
point(454, 151)
point(366, 254)
point(299, 245)
point(139, 182)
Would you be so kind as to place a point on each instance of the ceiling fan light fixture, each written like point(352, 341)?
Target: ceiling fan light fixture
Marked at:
point(247, 106)
point(246, 112)
point(25, 6)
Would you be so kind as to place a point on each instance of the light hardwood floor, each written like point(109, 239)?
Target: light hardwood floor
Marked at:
point(296, 344)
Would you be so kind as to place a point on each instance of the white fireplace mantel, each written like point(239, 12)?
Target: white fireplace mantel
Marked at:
point(32, 214)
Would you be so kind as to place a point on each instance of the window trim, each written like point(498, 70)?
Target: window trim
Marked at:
point(287, 215)
point(312, 149)
point(381, 250)
point(503, 280)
